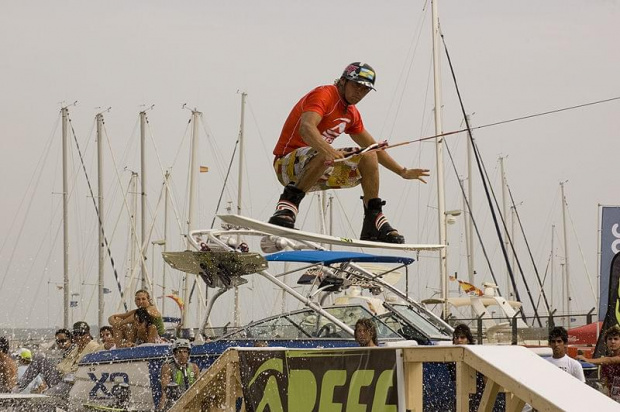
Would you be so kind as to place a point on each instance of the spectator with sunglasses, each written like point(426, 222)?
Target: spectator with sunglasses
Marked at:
point(84, 344)
point(63, 341)
point(81, 344)
point(46, 366)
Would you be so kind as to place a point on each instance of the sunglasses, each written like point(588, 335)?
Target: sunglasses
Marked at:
point(61, 341)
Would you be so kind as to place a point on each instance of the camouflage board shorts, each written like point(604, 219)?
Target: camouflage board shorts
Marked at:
point(341, 175)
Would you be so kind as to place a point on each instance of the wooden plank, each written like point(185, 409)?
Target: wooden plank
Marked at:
point(231, 387)
point(465, 384)
point(489, 395)
point(513, 403)
point(414, 394)
point(434, 354)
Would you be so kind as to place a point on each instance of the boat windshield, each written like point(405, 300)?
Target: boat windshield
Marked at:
point(419, 320)
point(307, 324)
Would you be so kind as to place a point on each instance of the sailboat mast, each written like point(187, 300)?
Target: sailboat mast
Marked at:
point(133, 189)
point(143, 243)
point(165, 245)
point(241, 152)
point(441, 208)
point(469, 218)
point(468, 245)
point(65, 216)
point(191, 215)
point(509, 291)
point(552, 274)
point(566, 267)
point(101, 302)
point(237, 316)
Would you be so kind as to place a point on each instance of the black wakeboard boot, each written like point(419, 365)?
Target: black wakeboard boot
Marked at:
point(287, 207)
point(376, 226)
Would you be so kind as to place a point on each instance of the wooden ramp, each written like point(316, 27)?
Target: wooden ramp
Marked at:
point(518, 372)
point(217, 389)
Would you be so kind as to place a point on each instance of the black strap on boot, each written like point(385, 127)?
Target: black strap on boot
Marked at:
point(287, 207)
point(376, 227)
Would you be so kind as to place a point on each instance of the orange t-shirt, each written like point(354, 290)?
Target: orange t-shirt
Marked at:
point(336, 119)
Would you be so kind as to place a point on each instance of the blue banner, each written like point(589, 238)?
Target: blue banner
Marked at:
point(610, 245)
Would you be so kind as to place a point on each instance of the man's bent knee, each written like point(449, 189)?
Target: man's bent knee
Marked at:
point(369, 160)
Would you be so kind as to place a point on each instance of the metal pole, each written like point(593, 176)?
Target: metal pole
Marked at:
point(323, 208)
point(100, 318)
point(65, 216)
point(133, 184)
point(241, 152)
point(191, 218)
point(331, 218)
point(469, 247)
point(237, 317)
point(163, 285)
point(441, 209)
point(513, 219)
point(563, 274)
point(504, 217)
point(552, 274)
point(469, 225)
point(143, 242)
point(598, 266)
point(566, 268)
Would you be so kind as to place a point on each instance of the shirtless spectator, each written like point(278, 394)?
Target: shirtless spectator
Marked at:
point(8, 368)
point(123, 326)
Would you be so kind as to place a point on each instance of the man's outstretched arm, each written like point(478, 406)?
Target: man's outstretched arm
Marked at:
point(365, 139)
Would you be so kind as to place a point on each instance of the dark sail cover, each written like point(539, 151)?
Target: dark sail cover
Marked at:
point(612, 317)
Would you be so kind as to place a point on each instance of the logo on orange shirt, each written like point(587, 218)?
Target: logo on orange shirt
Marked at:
point(333, 132)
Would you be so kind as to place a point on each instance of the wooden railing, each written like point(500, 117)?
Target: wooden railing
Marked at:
point(522, 375)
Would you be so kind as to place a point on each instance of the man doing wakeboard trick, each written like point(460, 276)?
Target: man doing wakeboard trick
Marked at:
point(305, 160)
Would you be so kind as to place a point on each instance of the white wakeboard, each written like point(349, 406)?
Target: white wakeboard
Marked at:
point(300, 235)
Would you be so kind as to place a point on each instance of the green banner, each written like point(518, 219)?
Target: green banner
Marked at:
point(353, 380)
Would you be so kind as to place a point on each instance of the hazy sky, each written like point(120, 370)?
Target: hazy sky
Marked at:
point(511, 59)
